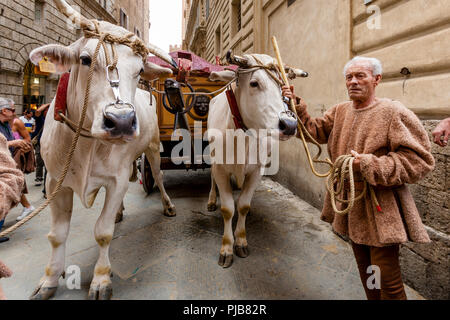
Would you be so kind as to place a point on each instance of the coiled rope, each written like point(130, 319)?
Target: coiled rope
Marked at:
point(337, 180)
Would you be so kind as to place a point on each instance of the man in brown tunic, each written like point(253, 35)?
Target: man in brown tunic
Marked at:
point(391, 148)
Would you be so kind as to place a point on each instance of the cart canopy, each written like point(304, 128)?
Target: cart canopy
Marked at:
point(190, 62)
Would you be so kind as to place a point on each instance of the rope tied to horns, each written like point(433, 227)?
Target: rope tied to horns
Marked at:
point(78, 128)
point(137, 45)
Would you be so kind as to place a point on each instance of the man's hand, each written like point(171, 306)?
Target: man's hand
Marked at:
point(288, 92)
point(21, 144)
point(356, 162)
point(300, 105)
point(41, 109)
point(442, 133)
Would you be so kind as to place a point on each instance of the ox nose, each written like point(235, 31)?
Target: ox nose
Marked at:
point(287, 125)
point(121, 123)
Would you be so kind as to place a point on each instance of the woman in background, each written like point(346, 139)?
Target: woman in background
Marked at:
point(20, 132)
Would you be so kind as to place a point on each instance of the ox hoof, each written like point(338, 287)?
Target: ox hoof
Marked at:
point(212, 207)
point(119, 217)
point(225, 261)
point(102, 293)
point(241, 252)
point(41, 293)
point(170, 212)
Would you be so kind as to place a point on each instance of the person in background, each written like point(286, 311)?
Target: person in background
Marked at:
point(20, 132)
point(7, 113)
point(39, 117)
point(11, 185)
point(11, 179)
point(441, 133)
point(28, 121)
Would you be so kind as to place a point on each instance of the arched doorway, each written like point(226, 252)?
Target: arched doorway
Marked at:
point(34, 87)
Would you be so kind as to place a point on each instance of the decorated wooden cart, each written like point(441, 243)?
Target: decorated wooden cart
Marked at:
point(181, 103)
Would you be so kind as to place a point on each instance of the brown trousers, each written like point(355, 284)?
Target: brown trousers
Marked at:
point(386, 258)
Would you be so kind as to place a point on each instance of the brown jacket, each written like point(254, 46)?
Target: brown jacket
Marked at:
point(11, 180)
point(395, 150)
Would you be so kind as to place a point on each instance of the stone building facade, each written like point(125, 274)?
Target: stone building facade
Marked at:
point(412, 40)
point(28, 24)
point(134, 15)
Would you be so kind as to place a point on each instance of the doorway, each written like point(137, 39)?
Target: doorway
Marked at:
point(34, 87)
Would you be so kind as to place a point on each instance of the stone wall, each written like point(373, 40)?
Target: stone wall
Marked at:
point(426, 267)
point(21, 32)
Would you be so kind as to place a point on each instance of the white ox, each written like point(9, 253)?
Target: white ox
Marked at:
point(261, 106)
point(121, 133)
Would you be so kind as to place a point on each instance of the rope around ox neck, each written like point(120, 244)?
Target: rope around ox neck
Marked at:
point(71, 150)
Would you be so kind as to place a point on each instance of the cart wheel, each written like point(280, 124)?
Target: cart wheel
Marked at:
point(148, 181)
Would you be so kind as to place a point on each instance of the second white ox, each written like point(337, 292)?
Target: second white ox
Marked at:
point(261, 106)
point(121, 133)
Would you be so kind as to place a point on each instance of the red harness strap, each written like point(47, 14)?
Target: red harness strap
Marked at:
point(237, 118)
point(61, 96)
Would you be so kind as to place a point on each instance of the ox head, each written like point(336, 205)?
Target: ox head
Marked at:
point(111, 114)
point(258, 93)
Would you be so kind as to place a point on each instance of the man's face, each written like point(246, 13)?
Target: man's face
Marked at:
point(29, 115)
point(9, 113)
point(360, 81)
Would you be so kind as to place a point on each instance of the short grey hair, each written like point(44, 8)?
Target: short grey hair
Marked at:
point(374, 63)
point(5, 103)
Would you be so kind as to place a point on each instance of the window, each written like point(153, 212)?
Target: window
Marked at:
point(137, 32)
point(123, 19)
point(38, 10)
point(217, 42)
point(235, 16)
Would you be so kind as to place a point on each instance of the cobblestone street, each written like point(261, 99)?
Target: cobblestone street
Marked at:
point(293, 255)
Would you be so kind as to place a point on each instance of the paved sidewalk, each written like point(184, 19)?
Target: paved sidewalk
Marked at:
point(293, 255)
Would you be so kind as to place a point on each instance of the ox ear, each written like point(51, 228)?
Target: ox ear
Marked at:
point(153, 71)
point(226, 75)
point(62, 57)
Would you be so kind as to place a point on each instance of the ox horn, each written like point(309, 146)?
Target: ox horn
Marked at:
point(294, 73)
point(73, 15)
point(162, 55)
point(237, 60)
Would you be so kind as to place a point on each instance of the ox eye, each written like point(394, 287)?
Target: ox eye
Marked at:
point(254, 84)
point(86, 61)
